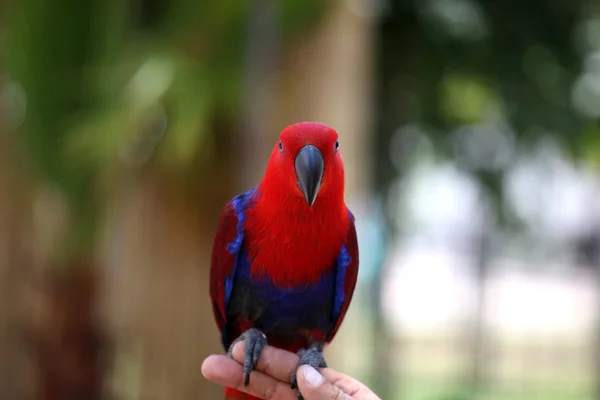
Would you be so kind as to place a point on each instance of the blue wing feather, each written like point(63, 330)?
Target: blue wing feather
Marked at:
point(240, 204)
point(342, 261)
point(346, 274)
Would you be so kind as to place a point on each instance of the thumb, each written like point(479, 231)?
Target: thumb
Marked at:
point(314, 386)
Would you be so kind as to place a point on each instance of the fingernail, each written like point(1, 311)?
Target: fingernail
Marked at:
point(312, 376)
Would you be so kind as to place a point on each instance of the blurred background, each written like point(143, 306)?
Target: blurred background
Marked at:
point(470, 134)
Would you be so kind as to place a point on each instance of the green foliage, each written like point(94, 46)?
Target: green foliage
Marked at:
point(467, 100)
point(448, 63)
point(108, 82)
point(298, 16)
point(45, 56)
point(589, 151)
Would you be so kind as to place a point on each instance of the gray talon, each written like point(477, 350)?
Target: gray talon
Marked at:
point(312, 356)
point(255, 342)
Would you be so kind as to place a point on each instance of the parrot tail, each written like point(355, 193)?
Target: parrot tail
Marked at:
point(233, 394)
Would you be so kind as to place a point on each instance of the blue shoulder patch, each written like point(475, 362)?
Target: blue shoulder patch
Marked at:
point(342, 261)
point(240, 204)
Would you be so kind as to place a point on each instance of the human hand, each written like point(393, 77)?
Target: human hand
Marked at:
point(271, 380)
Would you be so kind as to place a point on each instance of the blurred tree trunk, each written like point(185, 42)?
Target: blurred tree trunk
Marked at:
point(67, 343)
point(71, 343)
point(328, 77)
point(15, 372)
point(478, 339)
point(49, 343)
point(157, 247)
point(595, 258)
point(47, 49)
point(7, 270)
point(587, 250)
point(261, 55)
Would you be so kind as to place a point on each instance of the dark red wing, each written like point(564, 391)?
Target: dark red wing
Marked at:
point(349, 277)
point(222, 262)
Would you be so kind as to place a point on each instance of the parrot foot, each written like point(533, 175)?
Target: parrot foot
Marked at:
point(312, 356)
point(255, 342)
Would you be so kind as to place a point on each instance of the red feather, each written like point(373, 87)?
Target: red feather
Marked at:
point(292, 242)
point(234, 394)
point(298, 250)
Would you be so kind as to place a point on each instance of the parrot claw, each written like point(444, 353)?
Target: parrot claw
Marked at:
point(255, 342)
point(312, 356)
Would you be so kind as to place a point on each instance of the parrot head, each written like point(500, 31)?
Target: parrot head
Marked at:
point(306, 162)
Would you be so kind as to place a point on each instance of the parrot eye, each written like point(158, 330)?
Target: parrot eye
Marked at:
point(337, 145)
point(280, 147)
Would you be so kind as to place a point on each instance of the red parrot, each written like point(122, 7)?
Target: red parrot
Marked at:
point(285, 254)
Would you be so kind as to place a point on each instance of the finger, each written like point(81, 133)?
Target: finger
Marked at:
point(349, 385)
point(275, 362)
point(227, 372)
point(314, 386)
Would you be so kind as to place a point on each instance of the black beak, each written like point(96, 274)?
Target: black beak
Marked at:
point(309, 165)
